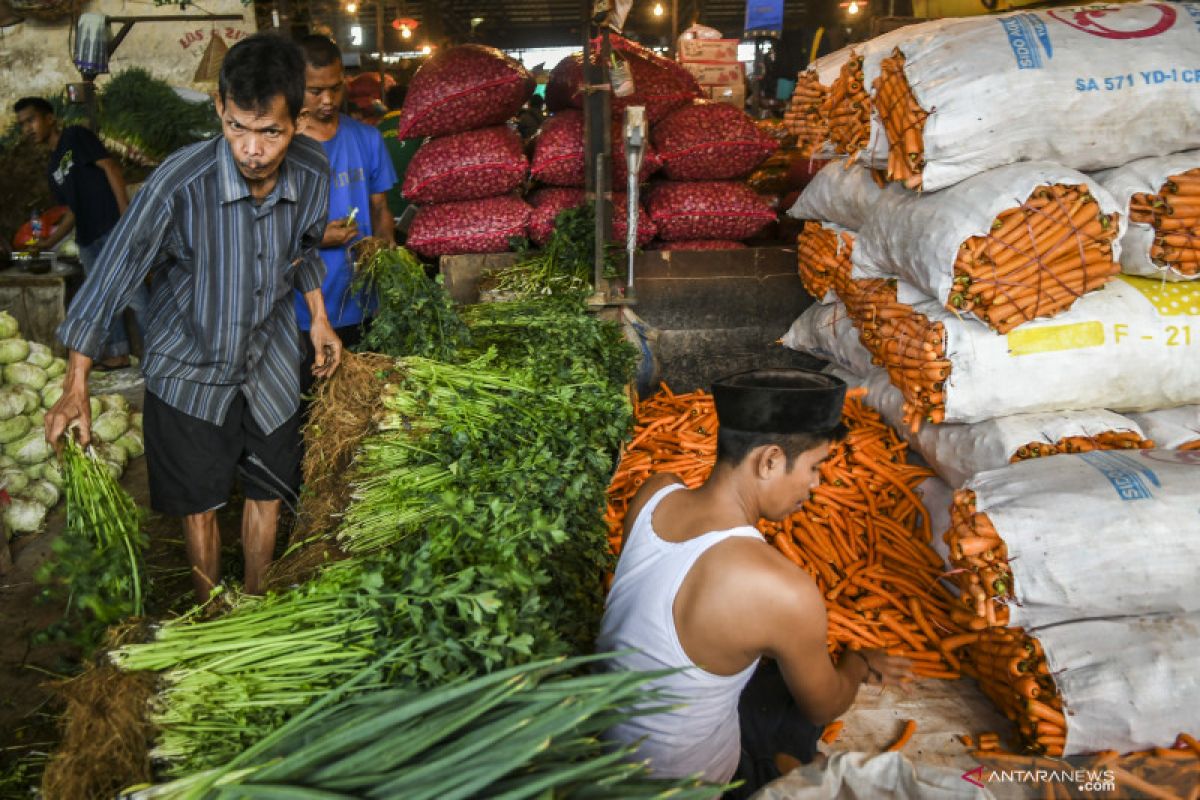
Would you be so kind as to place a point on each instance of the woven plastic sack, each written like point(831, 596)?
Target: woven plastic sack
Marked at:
point(842, 193)
point(463, 88)
point(473, 226)
point(827, 332)
point(466, 166)
point(1172, 428)
point(707, 210)
point(564, 89)
point(705, 141)
point(699, 244)
point(558, 150)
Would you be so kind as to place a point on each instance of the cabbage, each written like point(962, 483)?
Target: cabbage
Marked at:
point(43, 492)
point(96, 407)
point(114, 402)
point(114, 469)
point(109, 426)
point(32, 448)
point(13, 429)
point(57, 368)
point(113, 453)
point(6, 462)
point(25, 515)
point(52, 472)
point(32, 400)
point(8, 326)
point(25, 374)
point(13, 480)
point(131, 442)
point(50, 394)
point(13, 350)
point(37, 417)
point(40, 355)
point(135, 421)
point(12, 402)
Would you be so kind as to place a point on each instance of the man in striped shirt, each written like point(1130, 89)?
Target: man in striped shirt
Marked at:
point(226, 229)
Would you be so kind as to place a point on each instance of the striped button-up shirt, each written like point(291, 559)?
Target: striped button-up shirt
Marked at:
point(223, 269)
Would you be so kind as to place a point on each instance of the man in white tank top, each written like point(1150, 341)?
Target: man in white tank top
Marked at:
point(698, 588)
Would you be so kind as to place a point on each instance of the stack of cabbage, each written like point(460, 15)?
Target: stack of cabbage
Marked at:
point(32, 382)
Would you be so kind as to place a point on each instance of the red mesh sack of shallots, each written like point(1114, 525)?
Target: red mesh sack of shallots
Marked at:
point(462, 88)
point(471, 226)
point(547, 205)
point(558, 153)
point(558, 150)
point(466, 166)
point(659, 84)
point(707, 141)
point(564, 87)
point(699, 244)
point(707, 210)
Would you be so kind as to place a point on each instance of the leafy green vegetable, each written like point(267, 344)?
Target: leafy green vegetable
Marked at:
point(565, 264)
point(415, 316)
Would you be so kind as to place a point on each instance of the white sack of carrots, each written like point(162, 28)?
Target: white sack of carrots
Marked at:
point(959, 452)
point(1164, 243)
point(822, 250)
point(1172, 428)
point(1032, 265)
point(1126, 684)
point(841, 193)
point(827, 332)
point(806, 115)
point(1132, 346)
point(855, 128)
point(1090, 87)
point(1096, 534)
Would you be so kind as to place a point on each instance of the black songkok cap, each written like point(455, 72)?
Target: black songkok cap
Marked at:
point(779, 401)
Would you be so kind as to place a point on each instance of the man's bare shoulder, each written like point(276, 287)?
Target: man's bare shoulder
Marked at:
point(647, 490)
point(750, 572)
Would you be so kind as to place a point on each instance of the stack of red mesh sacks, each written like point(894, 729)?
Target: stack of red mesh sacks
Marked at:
point(707, 150)
point(465, 177)
point(660, 85)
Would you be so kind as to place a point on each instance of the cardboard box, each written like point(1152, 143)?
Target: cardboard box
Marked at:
point(734, 94)
point(715, 74)
point(711, 51)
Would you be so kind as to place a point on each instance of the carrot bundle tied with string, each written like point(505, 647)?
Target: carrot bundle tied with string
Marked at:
point(863, 535)
point(822, 253)
point(804, 118)
point(1011, 668)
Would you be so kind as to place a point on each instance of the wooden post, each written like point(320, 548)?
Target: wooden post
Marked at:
point(379, 42)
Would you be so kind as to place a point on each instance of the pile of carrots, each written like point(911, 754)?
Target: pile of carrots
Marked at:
point(804, 118)
point(903, 121)
point(821, 255)
point(847, 108)
point(1106, 440)
point(1174, 213)
point(910, 347)
point(863, 535)
point(1038, 259)
point(1011, 668)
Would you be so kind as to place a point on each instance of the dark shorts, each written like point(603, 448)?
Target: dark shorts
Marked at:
point(192, 464)
point(771, 723)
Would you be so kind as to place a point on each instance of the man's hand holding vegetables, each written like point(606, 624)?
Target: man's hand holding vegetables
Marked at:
point(228, 230)
point(697, 588)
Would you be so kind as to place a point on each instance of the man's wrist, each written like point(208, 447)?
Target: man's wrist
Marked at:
point(868, 670)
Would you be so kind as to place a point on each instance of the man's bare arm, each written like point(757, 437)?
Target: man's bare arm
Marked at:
point(116, 181)
point(383, 224)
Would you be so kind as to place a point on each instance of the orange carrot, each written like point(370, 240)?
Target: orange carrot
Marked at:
point(910, 727)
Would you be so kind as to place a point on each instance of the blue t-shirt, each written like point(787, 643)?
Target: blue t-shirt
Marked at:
point(359, 167)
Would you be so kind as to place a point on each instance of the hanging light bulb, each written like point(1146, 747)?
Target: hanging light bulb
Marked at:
point(658, 9)
point(853, 9)
point(405, 32)
point(352, 7)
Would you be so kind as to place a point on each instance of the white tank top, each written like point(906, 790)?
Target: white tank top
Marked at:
point(701, 736)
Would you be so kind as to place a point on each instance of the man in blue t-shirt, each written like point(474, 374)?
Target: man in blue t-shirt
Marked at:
point(361, 173)
point(86, 179)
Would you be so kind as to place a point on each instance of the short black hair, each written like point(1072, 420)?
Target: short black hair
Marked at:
point(393, 98)
point(733, 446)
point(258, 69)
point(320, 51)
point(38, 104)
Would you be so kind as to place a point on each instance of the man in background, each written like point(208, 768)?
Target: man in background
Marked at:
point(86, 179)
point(530, 120)
point(401, 150)
point(361, 174)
